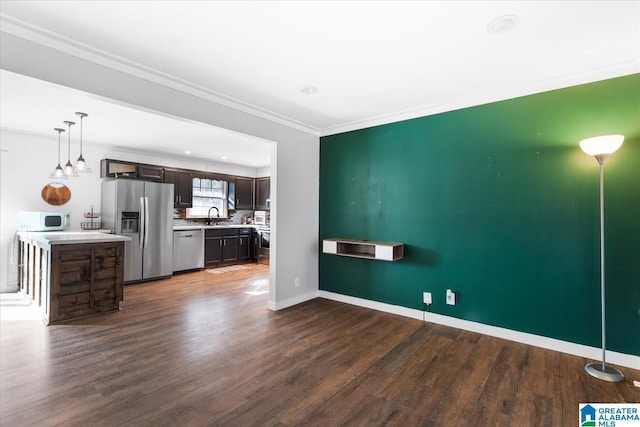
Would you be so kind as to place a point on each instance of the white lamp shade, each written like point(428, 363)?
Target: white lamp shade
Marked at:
point(601, 145)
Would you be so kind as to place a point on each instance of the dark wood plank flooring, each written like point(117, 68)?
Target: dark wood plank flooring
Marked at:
point(202, 349)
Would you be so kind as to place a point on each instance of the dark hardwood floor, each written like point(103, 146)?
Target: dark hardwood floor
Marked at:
point(203, 349)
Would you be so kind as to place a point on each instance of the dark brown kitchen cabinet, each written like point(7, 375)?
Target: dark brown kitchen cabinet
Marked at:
point(86, 279)
point(69, 281)
point(230, 248)
point(212, 250)
point(110, 168)
point(183, 185)
point(220, 246)
point(245, 251)
point(263, 190)
point(244, 193)
point(150, 173)
point(255, 245)
point(229, 245)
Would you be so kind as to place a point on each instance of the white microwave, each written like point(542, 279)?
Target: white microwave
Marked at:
point(260, 218)
point(42, 221)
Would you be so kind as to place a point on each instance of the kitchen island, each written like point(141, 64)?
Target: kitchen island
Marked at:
point(68, 274)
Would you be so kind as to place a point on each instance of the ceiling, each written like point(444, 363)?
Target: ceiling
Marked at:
point(35, 106)
point(323, 67)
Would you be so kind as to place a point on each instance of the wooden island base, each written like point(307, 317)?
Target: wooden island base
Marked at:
point(68, 281)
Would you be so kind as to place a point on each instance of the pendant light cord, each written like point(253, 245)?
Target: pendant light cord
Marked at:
point(69, 143)
point(59, 132)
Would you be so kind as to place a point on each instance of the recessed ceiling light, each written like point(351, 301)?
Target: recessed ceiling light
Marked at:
point(502, 24)
point(309, 90)
point(187, 152)
point(224, 157)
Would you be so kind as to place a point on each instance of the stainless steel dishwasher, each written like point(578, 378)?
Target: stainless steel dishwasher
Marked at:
point(188, 249)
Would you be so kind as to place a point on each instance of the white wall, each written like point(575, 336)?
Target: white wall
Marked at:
point(294, 162)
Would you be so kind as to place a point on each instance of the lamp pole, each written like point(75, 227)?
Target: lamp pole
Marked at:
point(600, 148)
point(600, 160)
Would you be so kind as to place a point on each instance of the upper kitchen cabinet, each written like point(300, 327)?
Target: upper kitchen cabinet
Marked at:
point(110, 168)
point(150, 173)
point(183, 184)
point(118, 169)
point(244, 193)
point(263, 190)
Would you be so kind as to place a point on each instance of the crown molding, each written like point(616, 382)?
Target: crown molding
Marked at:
point(27, 31)
point(590, 76)
point(35, 34)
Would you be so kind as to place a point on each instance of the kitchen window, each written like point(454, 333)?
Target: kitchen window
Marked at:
point(207, 193)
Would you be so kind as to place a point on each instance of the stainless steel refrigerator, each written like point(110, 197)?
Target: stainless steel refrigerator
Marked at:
point(143, 211)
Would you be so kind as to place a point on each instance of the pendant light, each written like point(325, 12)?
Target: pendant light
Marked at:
point(68, 169)
point(58, 173)
point(81, 164)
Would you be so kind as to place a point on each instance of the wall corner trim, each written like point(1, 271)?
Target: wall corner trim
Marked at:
point(279, 305)
point(621, 359)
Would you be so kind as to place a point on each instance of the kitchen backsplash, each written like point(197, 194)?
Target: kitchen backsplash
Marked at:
point(238, 217)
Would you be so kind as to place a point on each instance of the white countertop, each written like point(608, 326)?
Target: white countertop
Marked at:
point(48, 238)
point(207, 227)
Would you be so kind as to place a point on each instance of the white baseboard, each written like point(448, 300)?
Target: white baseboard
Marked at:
point(279, 305)
point(621, 359)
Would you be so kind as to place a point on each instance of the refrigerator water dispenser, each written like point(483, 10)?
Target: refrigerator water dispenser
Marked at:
point(130, 221)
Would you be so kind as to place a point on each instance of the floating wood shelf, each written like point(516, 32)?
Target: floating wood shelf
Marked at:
point(385, 251)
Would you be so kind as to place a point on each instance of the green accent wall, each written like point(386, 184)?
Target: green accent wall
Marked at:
point(498, 203)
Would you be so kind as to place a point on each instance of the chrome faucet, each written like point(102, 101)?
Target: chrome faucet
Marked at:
point(209, 214)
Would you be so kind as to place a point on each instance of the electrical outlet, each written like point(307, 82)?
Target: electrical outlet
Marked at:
point(296, 282)
point(426, 298)
point(451, 297)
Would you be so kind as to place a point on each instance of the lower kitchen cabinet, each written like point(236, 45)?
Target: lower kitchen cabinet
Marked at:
point(228, 245)
point(70, 281)
point(212, 249)
point(230, 248)
point(245, 241)
point(86, 279)
point(220, 246)
point(255, 245)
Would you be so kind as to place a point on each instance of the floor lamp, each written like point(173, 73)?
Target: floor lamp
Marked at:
point(601, 147)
